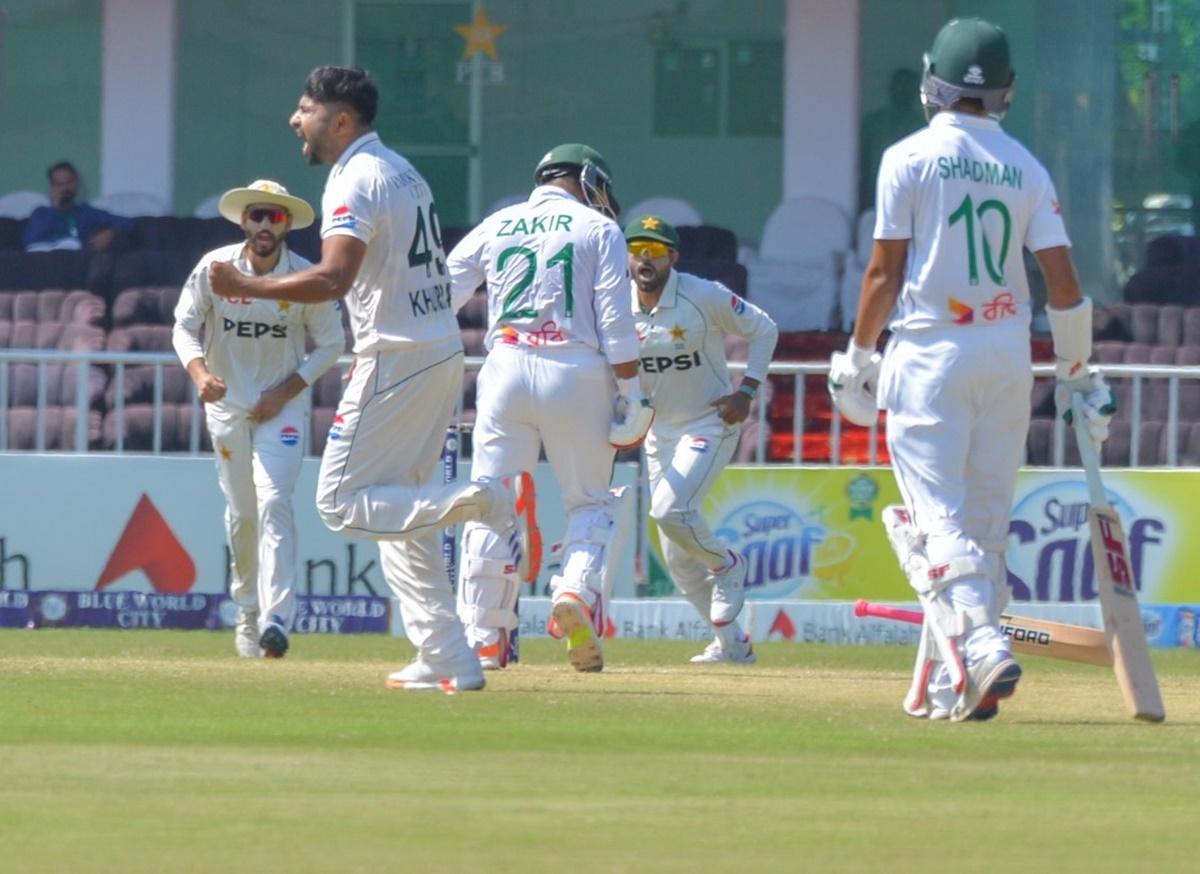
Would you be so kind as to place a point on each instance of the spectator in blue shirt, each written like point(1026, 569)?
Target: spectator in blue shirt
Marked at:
point(65, 224)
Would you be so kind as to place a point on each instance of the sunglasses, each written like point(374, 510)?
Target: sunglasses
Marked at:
point(648, 249)
point(273, 214)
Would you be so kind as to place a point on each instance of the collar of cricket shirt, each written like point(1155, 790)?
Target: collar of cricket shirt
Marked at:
point(355, 147)
point(665, 300)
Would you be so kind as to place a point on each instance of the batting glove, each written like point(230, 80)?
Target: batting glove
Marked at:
point(632, 415)
point(1099, 402)
point(852, 376)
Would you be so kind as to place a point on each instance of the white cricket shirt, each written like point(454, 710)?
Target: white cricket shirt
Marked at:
point(683, 345)
point(557, 275)
point(969, 197)
point(253, 344)
point(402, 293)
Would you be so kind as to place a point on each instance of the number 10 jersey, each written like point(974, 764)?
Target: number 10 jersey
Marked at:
point(968, 197)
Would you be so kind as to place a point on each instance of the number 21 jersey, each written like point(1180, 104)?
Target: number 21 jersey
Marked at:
point(968, 197)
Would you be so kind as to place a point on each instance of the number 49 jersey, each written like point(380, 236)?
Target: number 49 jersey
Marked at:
point(401, 293)
point(557, 275)
point(969, 197)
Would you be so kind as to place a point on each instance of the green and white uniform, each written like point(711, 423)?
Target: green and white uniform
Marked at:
point(955, 378)
point(558, 318)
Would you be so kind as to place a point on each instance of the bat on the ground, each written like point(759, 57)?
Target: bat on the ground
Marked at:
point(1055, 640)
point(1117, 588)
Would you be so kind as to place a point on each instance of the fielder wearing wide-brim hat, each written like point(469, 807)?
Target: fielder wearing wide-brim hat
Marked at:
point(651, 227)
point(235, 201)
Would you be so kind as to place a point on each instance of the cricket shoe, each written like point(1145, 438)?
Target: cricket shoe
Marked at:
point(274, 640)
point(245, 634)
point(516, 493)
point(988, 681)
point(741, 653)
point(728, 591)
point(574, 622)
point(419, 676)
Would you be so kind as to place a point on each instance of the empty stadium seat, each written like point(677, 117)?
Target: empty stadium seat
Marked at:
point(58, 429)
point(10, 233)
point(707, 242)
point(796, 275)
point(151, 267)
point(19, 204)
point(38, 270)
point(145, 305)
point(131, 203)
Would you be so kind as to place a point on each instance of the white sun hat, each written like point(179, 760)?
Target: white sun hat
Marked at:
point(234, 201)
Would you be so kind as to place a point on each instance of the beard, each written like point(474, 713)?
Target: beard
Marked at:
point(648, 279)
point(263, 244)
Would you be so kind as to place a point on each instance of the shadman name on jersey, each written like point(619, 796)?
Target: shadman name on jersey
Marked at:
point(979, 171)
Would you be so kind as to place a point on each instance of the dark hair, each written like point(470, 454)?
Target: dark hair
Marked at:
point(352, 86)
point(62, 165)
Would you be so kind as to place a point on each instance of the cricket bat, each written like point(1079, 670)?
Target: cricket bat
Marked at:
point(1117, 588)
point(1055, 640)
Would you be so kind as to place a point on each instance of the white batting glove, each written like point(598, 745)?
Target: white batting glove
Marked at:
point(1099, 402)
point(852, 376)
point(632, 415)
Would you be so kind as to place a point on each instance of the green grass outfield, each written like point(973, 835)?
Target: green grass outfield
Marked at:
point(162, 752)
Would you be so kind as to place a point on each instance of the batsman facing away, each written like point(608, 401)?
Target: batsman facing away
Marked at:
point(955, 204)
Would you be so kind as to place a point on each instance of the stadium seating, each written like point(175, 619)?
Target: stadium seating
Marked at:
point(10, 233)
point(796, 274)
point(40, 270)
point(19, 204)
point(707, 243)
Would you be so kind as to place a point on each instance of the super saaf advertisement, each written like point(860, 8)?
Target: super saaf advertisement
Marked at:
point(810, 533)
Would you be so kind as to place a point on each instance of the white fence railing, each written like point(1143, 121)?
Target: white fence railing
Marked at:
point(117, 363)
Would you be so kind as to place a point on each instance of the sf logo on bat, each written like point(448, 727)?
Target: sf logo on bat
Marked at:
point(1114, 553)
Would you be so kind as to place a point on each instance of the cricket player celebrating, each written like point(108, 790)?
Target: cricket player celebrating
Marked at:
point(956, 202)
point(559, 330)
point(252, 373)
point(381, 248)
point(682, 321)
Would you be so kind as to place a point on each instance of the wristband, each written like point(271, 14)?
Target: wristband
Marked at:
point(750, 391)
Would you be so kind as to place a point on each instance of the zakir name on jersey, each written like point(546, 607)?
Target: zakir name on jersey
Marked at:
point(542, 224)
point(662, 363)
point(986, 172)
point(254, 330)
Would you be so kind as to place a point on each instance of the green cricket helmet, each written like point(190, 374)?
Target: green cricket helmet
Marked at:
point(585, 165)
point(969, 59)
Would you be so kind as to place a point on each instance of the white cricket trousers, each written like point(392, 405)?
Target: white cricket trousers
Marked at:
point(683, 462)
point(958, 403)
point(380, 480)
point(257, 466)
point(560, 399)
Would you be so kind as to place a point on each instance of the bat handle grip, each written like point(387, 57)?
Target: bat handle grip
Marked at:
point(885, 611)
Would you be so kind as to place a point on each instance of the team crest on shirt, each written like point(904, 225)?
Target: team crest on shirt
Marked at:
point(737, 304)
point(698, 444)
point(342, 217)
point(290, 435)
point(963, 314)
point(336, 428)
